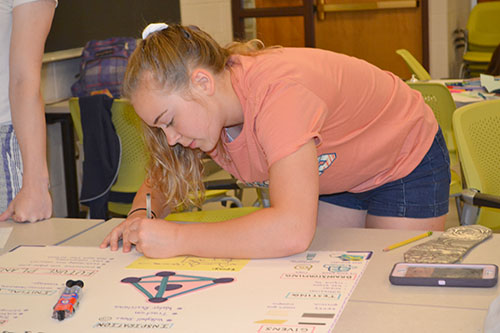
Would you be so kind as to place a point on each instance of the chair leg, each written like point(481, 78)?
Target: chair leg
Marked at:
point(462, 71)
point(458, 204)
point(234, 200)
point(469, 214)
point(263, 194)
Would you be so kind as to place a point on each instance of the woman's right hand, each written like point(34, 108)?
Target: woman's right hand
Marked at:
point(154, 238)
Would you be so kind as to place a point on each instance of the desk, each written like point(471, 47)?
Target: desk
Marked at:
point(464, 98)
point(48, 232)
point(376, 305)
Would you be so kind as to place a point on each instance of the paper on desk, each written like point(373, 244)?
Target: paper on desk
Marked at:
point(188, 263)
point(302, 293)
point(491, 84)
point(472, 96)
point(4, 235)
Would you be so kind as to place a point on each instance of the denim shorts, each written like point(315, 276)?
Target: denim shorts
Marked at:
point(423, 193)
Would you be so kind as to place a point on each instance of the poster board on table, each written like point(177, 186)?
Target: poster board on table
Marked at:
point(127, 292)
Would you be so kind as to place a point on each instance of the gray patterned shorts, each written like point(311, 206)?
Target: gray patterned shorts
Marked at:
point(11, 166)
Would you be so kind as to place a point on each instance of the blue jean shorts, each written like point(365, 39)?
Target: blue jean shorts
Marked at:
point(423, 193)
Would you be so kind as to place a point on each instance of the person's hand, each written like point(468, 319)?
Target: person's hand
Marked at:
point(29, 205)
point(115, 236)
point(152, 237)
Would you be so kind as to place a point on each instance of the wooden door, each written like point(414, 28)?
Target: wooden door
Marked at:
point(286, 30)
point(371, 34)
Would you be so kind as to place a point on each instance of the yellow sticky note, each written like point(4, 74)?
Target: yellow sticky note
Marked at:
point(188, 263)
point(271, 321)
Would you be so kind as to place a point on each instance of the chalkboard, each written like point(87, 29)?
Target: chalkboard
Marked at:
point(78, 21)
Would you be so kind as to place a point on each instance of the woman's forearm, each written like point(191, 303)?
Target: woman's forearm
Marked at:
point(30, 27)
point(28, 120)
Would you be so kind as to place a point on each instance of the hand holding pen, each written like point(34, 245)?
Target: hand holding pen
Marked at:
point(154, 237)
point(128, 232)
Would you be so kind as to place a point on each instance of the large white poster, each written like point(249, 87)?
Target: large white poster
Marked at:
point(129, 293)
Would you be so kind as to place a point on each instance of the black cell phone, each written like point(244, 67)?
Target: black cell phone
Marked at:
point(444, 275)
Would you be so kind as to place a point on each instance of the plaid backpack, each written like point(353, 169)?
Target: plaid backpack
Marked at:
point(103, 66)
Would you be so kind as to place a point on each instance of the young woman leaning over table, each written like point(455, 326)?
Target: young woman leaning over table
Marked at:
point(337, 140)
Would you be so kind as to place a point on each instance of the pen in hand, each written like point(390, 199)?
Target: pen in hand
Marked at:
point(148, 205)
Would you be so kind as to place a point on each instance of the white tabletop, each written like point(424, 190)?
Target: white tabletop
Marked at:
point(464, 98)
point(48, 232)
point(378, 306)
point(58, 107)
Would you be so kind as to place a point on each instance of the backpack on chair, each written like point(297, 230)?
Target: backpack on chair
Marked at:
point(103, 66)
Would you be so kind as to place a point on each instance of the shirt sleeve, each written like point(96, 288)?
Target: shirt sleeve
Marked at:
point(16, 3)
point(290, 115)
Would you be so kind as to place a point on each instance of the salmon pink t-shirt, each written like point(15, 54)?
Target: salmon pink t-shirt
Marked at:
point(369, 126)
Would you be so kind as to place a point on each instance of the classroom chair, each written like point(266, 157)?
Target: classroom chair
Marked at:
point(134, 155)
point(414, 65)
point(482, 35)
point(439, 98)
point(477, 133)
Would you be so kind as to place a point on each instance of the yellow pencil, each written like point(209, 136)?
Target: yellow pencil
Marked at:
point(408, 241)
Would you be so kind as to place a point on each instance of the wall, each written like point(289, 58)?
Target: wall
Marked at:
point(212, 16)
point(458, 13)
point(446, 17)
point(60, 68)
point(77, 22)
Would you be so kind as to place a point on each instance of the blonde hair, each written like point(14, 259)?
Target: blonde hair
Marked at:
point(168, 56)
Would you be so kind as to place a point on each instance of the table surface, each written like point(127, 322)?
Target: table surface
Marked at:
point(376, 305)
point(464, 98)
point(58, 107)
point(48, 232)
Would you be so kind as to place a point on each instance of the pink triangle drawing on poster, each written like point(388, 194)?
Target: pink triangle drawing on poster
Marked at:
point(164, 285)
